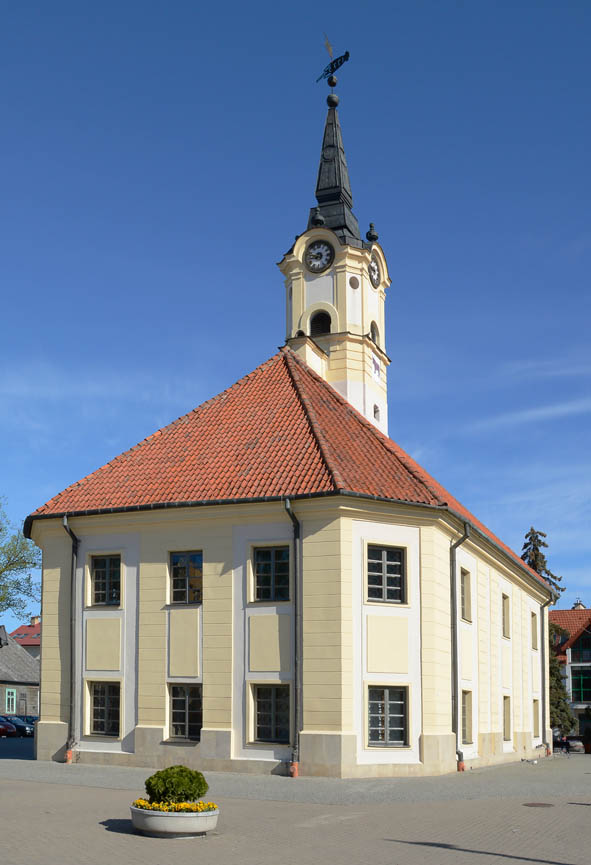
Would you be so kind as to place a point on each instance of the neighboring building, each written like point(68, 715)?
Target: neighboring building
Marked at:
point(19, 678)
point(270, 579)
point(29, 637)
point(574, 652)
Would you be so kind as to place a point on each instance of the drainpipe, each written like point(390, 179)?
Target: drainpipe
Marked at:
point(544, 639)
point(455, 667)
point(71, 720)
point(297, 701)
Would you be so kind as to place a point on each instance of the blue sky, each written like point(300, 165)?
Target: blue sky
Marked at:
point(158, 159)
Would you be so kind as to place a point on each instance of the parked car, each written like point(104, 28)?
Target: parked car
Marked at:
point(6, 728)
point(30, 719)
point(22, 728)
point(576, 744)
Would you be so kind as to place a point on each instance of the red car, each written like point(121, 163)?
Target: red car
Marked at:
point(6, 728)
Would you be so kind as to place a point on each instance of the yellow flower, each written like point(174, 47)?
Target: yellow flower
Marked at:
point(175, 807)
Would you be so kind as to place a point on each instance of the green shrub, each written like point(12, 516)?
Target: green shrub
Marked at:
point(176, 784)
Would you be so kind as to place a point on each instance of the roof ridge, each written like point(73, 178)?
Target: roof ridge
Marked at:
point(383, 439)
point(311, 418)
point(413, 468)
point(158, 432)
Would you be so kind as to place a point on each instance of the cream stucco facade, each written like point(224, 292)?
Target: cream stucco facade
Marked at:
point(344, 617)
point(230, 643)
point(352, 355)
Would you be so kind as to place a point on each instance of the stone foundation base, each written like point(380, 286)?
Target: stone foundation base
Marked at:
point(50, 740)
point(328, 755)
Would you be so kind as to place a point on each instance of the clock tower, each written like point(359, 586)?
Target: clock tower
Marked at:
point(336, 288)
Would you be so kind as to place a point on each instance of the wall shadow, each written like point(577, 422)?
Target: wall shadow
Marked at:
point(456, 847)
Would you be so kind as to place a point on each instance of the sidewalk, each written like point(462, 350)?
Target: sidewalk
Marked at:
point(565, 777)
point(79, 815)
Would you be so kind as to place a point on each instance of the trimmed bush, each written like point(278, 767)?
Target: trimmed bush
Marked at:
point(176, 784)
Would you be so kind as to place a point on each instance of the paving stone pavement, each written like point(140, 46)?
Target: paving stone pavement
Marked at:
point(79, 815)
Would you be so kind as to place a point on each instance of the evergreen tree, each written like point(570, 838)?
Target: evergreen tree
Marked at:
point(560, 711)
point(533, 556)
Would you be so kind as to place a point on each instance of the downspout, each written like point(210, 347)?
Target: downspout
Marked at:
point(71, 720)
point(543, 661)
point(455, 667)
point(297, 698)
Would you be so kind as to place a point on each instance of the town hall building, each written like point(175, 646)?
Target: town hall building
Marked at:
point(271, 584)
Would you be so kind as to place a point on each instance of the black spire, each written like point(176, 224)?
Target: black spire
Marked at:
point(333, 189)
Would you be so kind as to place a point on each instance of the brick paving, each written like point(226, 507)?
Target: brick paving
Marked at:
point(62, 816)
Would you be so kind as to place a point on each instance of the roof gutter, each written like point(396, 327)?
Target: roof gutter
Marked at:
point(455, 638)
point(297, 642)
point(72, 727)
point(545, 648)
point(441, 508)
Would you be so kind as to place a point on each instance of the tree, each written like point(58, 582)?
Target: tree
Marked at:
point(17, 556)
point(560, 711)
point(533, 556)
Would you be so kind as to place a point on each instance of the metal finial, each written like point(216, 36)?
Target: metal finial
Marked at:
point(372, 234)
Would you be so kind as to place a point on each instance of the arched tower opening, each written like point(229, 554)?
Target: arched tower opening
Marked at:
point(320, 323)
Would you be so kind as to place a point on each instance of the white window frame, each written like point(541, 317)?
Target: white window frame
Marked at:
point(11, 699)
point(388, 686)
point(404, 588)
point(171, 734)
point(465, 595)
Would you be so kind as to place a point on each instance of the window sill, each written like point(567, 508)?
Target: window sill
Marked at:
point(375, 602)
point(186, 743)
point(259, 743)
point(181, 606)
point(90, 607)
point(99, 737)
point(256, 604)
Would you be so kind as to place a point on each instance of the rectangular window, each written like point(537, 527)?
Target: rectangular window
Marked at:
point(105, 575)
point(388, 717)
point(534, 631)
point(104, 708)
point(581, 684)
point(186, 571)
point(272, 713)
point(185, 711)
point(466, 595)
point(536, 713)
point(467, 717)
point(386, 574)
point(581, 651)
point(507, 719)
point(271, 574)
point(506, 616)
point(11, 701)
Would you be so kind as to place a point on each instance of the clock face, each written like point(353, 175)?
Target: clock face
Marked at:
point(374, 271)
point(319, 255)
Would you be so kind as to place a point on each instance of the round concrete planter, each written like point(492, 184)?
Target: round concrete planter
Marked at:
point(170, 824)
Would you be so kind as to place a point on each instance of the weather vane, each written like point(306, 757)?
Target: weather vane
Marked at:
point(332, 67)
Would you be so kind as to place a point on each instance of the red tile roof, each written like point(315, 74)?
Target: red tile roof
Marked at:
point(27, 635)
point(574, 622)
point(280, 431)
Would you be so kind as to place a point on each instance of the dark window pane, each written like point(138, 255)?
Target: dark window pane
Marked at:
point(186, 571)
point(271, 574)
point(385, 574)
point(272, 713)
point(105, 709)
point(387, 716)
point(186, 711)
